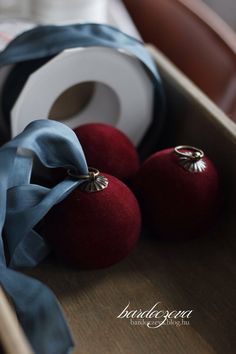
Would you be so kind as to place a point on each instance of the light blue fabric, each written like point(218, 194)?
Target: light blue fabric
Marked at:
point(38, 311)
point(23, 205)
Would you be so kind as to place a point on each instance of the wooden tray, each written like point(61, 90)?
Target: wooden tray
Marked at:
point(198, 275)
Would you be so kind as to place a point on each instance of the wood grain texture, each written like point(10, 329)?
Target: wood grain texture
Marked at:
point(199, 274)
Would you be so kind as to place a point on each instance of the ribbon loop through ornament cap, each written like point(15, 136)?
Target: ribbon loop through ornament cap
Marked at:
point(93, 181)
point(22, 206)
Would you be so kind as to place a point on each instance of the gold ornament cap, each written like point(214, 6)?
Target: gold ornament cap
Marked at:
point(190, 158)
point(93, 181)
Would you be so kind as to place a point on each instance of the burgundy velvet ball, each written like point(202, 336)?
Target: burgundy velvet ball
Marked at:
point(109, 150)
point(94, 230)
point(177, 203)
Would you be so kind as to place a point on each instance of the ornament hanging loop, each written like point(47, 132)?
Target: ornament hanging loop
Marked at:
point(191, 159)
point(93, 181)
point(92, 174)
point(192, 153)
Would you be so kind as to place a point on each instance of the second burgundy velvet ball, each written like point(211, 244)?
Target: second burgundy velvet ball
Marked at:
point(178, 204)
point(108, 149)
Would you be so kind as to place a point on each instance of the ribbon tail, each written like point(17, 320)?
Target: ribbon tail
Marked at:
point(38, 312)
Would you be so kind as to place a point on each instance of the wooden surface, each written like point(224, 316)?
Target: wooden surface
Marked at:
point(198, 275)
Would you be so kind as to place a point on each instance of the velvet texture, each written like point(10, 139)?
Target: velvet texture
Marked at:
point(94, 230)
point(56, 146)
point(109, 150)
point(177, 204)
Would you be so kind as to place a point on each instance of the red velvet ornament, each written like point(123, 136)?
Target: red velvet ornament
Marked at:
point(94, 230)
point(109, 150)
point(178, 203)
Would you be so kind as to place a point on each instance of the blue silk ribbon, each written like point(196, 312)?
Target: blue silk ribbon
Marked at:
point(23, 205)
point(46, 41)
